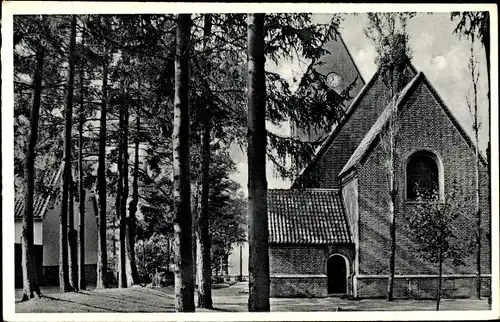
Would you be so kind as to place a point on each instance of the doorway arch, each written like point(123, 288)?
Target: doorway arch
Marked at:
point(337, 270)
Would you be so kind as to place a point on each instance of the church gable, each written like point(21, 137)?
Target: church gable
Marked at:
point(419, 106)
point(322, 172)
point(425, 127)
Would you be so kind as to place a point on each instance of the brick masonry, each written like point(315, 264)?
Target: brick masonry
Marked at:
point(323, 174)
point(305, 286)
point(423, 125)
point(421, 287)
point(300, 270)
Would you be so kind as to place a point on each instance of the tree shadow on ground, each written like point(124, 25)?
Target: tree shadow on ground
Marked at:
point(128, 298)
point(83, 304)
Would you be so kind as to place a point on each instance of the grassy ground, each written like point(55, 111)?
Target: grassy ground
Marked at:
point(229, 299)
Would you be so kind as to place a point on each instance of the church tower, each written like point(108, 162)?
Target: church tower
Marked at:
point(340, 71)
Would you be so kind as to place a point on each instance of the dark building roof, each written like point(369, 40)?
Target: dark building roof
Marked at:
point(41, 201)
point(307, 216)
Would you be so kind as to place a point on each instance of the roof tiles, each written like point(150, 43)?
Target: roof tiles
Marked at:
point(307, 216)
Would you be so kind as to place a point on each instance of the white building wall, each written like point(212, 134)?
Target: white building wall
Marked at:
point(234, 259)
point(37, 231)
point(51, 233)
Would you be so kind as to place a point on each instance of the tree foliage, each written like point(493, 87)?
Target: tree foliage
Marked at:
point(432, 227)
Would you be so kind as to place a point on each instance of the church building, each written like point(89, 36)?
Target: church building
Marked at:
point(330, 233)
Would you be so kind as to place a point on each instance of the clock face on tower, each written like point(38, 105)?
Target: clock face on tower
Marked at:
point(333, 80)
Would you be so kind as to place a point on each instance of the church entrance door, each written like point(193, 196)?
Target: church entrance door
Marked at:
point(337, 274)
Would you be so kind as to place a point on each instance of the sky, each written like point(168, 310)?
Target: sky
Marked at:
point(436, 51)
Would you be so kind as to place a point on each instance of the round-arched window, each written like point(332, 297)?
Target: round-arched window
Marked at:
point(422, 176)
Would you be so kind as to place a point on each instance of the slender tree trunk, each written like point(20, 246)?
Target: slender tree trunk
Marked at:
point(72, 233)
point(120, 215)
point(64, 284)
point(133, 204)
point(102, 256)
point(473, 108)
point(203, 234)
point(184, 284)
point(476, 170)
point(129, 280)
point(73, 240)
point(486, 44)
point(81, 189)
point(195, 206)
point(392, 256)
point(30, 282)
point(440, 278)
point(392, 185)
point(258, 267)
point(241, 263)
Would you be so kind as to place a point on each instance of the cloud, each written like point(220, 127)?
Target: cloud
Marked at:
point(439, 62)
point(365, 57)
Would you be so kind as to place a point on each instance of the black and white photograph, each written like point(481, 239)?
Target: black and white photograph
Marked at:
point(304, 161)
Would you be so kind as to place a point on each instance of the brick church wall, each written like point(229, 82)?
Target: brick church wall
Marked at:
point(300, 270)
point(423, 126)
point(297, 260)
point(324, 173)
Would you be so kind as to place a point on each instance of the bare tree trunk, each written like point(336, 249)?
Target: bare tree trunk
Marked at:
point(486, 44)
point(184, 284)
point(392, 256)
point(394, 81)
point(72, 239)
point(132, 208)
point(475, 79)
point(102, 255)
point(81, 190)
point(30, 282)
point(120, 215)
point(195, 206)
point(64, 284)
point(129, 280)
point(203, 234)
point(73, 234)
point(258, 267)
point(473, 109)
point(441, 259)
point(241, 263)
point(195, 209)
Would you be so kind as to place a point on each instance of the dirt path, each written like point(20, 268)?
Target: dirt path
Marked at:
point(230, 299)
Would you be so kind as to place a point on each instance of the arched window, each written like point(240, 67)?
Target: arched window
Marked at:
point(422, 176)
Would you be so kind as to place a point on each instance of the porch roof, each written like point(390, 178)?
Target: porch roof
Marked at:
point(307, 216)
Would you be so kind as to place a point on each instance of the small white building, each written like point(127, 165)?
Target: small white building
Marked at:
point(46, 215)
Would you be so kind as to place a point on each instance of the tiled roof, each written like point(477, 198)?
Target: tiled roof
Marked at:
point(307, 216)
point(41, 202)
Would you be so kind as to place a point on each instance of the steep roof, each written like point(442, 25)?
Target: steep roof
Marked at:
point(371, 138)
point(41, 202)
point(307, 216)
